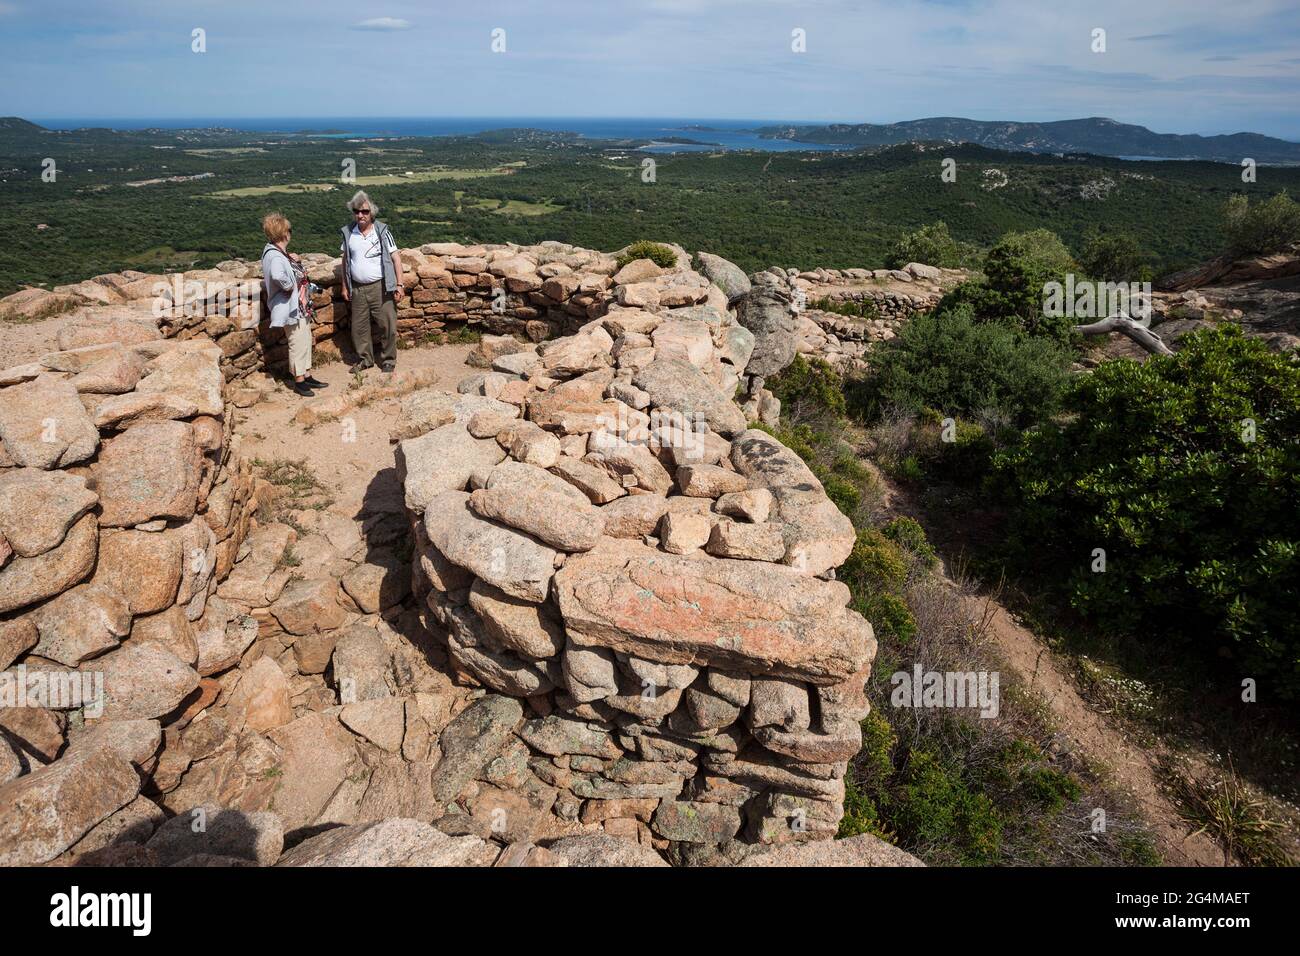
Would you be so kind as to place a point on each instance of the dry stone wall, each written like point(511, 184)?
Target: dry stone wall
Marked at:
point(619, 640)
point(531, 292)
point(124, 501)
point(535, 292)
point(601, 536)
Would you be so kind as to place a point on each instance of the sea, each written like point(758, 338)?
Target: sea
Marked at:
point(713, 134)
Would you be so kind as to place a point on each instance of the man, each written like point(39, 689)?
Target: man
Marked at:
point(372, 283)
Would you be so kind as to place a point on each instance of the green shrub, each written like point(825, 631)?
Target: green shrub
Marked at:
point(909, 535)
point(931, 245)
point(1050, 788)
point(1016, 270)
point(967, 458)
point(889, 615)
point(656, 252)
point(1200, 524)
point(960, 366)
point(812, 383)
point(933, 805)
point(1262, 227)
point(874, 563)
point(872, 768)
point(858, 309)
point(1113, 257)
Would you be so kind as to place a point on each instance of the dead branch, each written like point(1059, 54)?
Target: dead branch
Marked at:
point(1124, 325)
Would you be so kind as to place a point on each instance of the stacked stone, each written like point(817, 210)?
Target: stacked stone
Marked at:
point(123, 502)
point(840, 340)
point(599, 534)
point(891, 305)
point(532, 291)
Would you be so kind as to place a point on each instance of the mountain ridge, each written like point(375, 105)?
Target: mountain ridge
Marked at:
point(1096, 134)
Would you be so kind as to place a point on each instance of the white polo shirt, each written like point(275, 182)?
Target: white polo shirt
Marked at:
point(365, 256)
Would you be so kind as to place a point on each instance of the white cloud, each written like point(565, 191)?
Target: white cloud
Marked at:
point(383, 23)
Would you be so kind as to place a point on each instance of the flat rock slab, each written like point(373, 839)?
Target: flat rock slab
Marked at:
point(741, 615)
point(393, 842)
point(600, 849)
point(38, 507)
point(210, 829)
point(44, 425)
point(149, 471)
point(817, 535)
point(471, 740)
point(862, 850)
point(504, 557)
point(191, 374)
point(49, 809)
point(441, 461)
point(25, 581)
point(677, 384)
point(428, 408)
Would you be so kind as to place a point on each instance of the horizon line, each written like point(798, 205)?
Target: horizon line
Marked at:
point(680, 119)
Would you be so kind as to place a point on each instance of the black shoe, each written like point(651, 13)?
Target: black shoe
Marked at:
point(312, 382)
point(302, 389)
point(361, 367)
point(388, 369)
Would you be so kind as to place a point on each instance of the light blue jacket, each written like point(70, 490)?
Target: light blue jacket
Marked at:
point(281, 287)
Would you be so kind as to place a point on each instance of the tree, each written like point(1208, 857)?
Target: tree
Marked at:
point(1262, 228)
point(1016, 272)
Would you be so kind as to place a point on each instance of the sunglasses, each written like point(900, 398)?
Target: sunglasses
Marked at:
point(362, 212)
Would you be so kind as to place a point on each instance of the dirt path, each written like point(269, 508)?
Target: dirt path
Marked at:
point(1129, 766)
point(358, 466)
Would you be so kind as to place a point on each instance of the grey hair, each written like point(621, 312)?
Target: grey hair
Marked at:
point(361, 199)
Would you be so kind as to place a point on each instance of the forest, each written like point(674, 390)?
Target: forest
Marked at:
point(79, 203)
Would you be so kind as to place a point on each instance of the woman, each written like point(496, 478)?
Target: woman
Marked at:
point(282, 277)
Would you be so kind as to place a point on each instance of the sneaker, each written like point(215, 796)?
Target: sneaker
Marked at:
point(361, 367)
point(301, 389)
point(388, 368)
point(313, 382)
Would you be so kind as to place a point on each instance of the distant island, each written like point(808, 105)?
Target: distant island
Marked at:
point(1096, 135)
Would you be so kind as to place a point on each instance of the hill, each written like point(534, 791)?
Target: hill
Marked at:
point(1097, 135)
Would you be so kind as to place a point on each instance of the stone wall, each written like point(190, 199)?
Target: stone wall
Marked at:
point(532, 292)
point(535, 292)
point(600, 535)
point(123, 502)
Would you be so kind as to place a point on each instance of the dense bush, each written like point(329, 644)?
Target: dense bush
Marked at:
point(1016, 270)
point(1199, 519)
point(1113, 257)
point(908, 534)
point(656, 252)
point(950, 362)
point(808, 383)
point(934, 246)
point(1262, 227)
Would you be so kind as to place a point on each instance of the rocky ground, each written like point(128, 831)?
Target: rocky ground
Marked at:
point(313, 702)
point(516, 604)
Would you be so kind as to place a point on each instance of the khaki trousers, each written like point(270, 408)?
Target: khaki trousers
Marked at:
point(300, 342)
point(370, 303)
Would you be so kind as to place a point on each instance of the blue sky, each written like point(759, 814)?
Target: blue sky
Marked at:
point(1184, 66)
